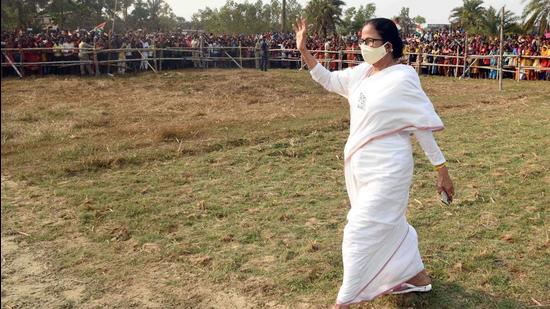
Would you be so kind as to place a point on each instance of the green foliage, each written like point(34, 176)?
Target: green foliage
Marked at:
point(246, 17)
point(20, 13)
point(405, 21)
point(325, 15)
point(419, 19)
point(255, 16)
point(355, 18)
point(470, 16)
point(492, 22)
point(536, 15)
point(68, 14)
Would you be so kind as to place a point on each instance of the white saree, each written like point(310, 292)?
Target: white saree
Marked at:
point(380, 249)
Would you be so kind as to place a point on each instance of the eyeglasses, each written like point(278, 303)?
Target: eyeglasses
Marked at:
point(369, 41)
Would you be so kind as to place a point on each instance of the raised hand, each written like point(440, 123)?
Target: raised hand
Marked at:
point(300, 27)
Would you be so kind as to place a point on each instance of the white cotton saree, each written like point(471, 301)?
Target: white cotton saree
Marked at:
point(379, 249)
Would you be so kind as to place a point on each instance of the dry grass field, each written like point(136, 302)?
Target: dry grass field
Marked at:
point(225, 189)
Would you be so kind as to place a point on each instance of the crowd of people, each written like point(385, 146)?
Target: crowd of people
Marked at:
point(437, 52)
point(447, 49)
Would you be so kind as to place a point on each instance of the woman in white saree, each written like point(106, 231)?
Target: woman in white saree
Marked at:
point(387, 105)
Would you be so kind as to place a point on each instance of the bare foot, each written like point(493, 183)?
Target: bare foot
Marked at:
point(338, 306)
point(420, 279)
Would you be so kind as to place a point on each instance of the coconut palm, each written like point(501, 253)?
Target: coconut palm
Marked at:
point(324, 15)
point(492, 21)
point(469, 16)
point(536, 16)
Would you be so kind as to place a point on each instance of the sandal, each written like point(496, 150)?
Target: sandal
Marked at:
point(409, 288)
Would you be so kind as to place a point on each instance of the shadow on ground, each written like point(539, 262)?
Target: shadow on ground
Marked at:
point(451, 295)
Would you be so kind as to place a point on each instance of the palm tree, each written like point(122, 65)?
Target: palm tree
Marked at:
point(469, 16)
point(492, 21)
point(325, 15)
point(536, 14)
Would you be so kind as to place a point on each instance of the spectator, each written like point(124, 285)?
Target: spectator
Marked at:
point(264, 54)
point(84, 55)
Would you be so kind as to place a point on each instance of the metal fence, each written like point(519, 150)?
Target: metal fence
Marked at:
point(119, 61)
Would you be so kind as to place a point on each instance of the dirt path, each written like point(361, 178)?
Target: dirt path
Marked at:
point(27, 282)
point(31, 279)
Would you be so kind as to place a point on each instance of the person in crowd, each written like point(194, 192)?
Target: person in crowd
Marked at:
point(84, 49)
point(545, 62)
point(144, 55)
point(195, 45)
point(264, 54)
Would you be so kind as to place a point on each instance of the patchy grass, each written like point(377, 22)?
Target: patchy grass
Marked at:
point(155, 190)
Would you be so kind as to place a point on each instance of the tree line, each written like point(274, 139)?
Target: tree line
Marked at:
point(326, 16)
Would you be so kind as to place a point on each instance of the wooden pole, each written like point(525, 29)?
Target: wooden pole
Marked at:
point(465, 54)
point(161, 52)
point(12, 65)
point(418, 62)
point(457, 61)
point(518, 76)
point(155, 56)
point(500, 62)
point(21, 68)
point(96, 64)
point(240, 54)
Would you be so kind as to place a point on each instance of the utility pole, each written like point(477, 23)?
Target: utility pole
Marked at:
point(501, 51)
point(283, 17)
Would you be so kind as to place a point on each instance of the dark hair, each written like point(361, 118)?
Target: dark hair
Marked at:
point(387, 29)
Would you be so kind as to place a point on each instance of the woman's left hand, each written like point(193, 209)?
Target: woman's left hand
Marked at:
point(444, 183)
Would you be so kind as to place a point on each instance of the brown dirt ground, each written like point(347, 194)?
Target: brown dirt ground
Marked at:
point(29, 280)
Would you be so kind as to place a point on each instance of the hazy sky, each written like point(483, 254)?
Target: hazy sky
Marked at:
point(435, 11)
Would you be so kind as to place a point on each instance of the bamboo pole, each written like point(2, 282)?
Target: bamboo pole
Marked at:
point(21, 68)
point(96, 64)
point(518, 75)
point(465, 54)
point(418, 62)
point(457, 61)
point(240, 54)
point(500, 65)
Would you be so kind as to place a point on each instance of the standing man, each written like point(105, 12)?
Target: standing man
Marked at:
point(195, 45)
point(264, 52)
point(84, 55)
point(257, 49)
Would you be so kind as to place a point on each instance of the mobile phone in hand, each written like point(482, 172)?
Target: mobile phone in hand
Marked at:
point(444, 198)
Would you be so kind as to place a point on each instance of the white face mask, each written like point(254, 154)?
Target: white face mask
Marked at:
point(373, 54)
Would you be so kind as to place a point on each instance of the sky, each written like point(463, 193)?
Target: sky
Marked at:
point(435, 11)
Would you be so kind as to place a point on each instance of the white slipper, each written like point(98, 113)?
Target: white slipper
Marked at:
point(409, 288)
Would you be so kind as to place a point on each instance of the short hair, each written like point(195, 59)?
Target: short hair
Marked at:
point(387, 29)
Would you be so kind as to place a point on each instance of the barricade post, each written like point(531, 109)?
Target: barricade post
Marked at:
point(96, 63)
point(21, 68)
